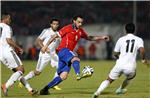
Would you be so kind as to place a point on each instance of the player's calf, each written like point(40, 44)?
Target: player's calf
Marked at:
point(76, 66)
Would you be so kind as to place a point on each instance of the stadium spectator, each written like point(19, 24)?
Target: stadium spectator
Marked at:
point(81, 52)
point(92, 51)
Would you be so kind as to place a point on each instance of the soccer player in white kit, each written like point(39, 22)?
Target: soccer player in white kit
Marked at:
point(50, 55)
point(9, 57)
point(125, 51)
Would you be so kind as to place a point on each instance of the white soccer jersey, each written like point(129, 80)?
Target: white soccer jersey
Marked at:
point(45, 58)
point(128, 47)
point(46, 35)
point(7, 56)
point(6, 32)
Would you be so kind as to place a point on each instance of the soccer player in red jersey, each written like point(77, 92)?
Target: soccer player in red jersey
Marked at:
point(70, 35)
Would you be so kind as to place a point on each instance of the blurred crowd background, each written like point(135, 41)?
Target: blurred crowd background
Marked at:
point(29, 18)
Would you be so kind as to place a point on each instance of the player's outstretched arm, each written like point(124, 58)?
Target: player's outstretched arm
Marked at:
point(96, 38)
point(12, 43)
point(142, 53)
point(44, 48)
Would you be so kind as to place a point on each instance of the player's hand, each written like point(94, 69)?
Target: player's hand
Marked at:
point(43, 49)
point(145, 62)
point(106, 38)
point(48, 50)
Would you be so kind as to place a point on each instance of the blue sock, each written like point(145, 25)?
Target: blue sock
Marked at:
point(76, 67)
point(54, 82)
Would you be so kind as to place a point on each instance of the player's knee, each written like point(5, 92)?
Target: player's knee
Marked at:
point(130, 77)
point(20, 68)
point(37, 73)
point(75, 59)
point(110, 80)
point(64, 75)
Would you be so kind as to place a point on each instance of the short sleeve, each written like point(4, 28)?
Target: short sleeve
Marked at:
point(84, 34)
point(63, 31)
point(140, 43)
point(9, 32)
point(117, 46)
point(42, 36)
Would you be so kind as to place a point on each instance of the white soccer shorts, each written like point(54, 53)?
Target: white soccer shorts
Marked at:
point(117, 71)
point(10, 59)
point(46, 58)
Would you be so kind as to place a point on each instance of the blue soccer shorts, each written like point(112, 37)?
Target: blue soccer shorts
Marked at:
point(64, 64)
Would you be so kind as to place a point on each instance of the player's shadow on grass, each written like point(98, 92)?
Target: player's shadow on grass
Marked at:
point(78, 91)
point(81, 92)
point(106, 93)
point(21, 95)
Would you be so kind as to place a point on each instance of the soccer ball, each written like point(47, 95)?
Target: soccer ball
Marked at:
point(87, 71)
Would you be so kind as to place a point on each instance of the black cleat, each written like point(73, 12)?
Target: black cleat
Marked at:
point(33, 92)
point(44, 92)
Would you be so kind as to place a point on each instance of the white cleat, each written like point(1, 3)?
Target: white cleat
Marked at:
point(121, 91)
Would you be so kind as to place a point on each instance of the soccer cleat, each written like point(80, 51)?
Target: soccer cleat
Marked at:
point(78, 77)
point(85, 75)
point(33, 92)
point(121, 91)
point(44, 92)
point(57, 88)
point(20, 85)
point(4, 89)
point(94, 96)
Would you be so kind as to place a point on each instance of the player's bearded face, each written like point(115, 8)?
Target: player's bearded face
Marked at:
point(55, 25)
point(78, 22)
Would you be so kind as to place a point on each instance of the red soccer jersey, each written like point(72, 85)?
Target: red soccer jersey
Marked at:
point(70, 37)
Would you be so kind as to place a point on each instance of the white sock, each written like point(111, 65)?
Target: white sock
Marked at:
point(13, 78)
point(25, 83)
point(103, 85)
point(29, 75)
point(56, 74)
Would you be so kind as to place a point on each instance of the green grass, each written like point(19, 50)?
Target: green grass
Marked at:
point(139, 88)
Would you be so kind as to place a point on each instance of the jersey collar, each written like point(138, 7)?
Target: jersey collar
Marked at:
point(130, 34)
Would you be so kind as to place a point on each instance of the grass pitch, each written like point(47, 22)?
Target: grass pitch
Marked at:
point(139, 88)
